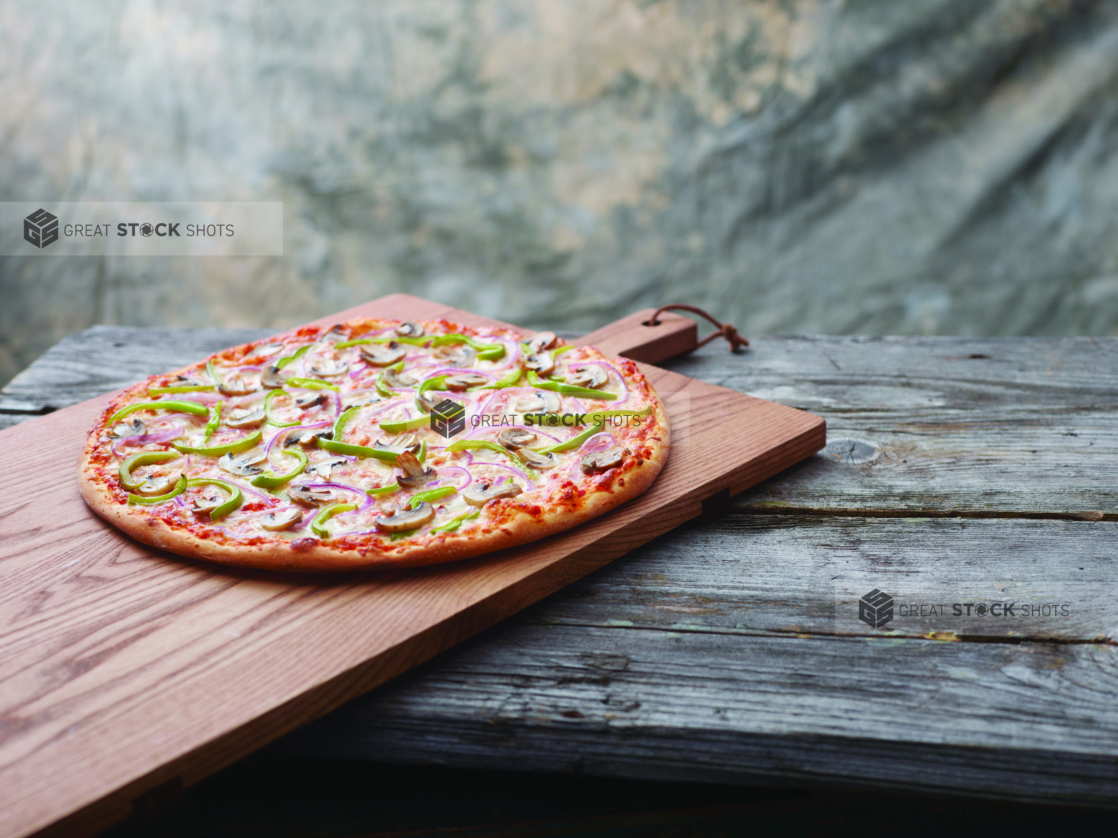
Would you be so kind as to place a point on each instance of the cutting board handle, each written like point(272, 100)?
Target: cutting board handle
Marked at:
point(631, 337)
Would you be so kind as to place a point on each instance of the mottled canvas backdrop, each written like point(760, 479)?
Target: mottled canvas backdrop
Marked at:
point(867, 166)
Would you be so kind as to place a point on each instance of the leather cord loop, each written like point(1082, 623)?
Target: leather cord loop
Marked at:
point(725, 330)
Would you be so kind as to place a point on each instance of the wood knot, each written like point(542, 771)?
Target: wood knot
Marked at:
point(852, 452)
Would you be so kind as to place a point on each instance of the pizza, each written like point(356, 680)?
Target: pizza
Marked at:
point(374, 443)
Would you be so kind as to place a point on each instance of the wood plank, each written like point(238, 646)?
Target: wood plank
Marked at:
point(745, 632)
point(1026, 721)
point(185, 667)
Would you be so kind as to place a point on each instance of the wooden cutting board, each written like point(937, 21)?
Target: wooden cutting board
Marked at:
point(127, 673)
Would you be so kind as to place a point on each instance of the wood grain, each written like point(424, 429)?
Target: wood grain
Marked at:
point(124, 669)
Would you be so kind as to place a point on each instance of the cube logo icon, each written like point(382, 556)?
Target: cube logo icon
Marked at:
point(875, 609)
point(448, 418)
point(40, 228)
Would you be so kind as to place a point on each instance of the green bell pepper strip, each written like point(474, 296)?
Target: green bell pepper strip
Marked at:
point(318, 525)
point(313, 384)
point(299, 353)
point(474, 444)
point(234, 447)
point(366, 452)
point(485, 351)
point(268, 407)
point(213, 373)
point(454, 524)
point(212, 423)
point(343, 420)
point(143, 458)
point(405, 425)
point(430, 495)
point(383, 490)
point(568, 389)
point(271, 480)
point(381, 386)
point(179, 388)
point(510, 380)
point(236, 497)
point(435, 383)
point(180, 487)
point(179, 407)
point(595, 420)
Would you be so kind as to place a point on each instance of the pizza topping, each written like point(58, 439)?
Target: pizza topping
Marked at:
point(329, 369)
point(383, 355)
point(323, 470)
point(409, 330)
point(180, 487)
point(245, 464)
point(482, 493)
point(142, 458)
point(541, 364)
point(542, 341)
point(284, 519)
point(310, 495)
point(213, 502)
point(311, 400)
point(592, 377)
point(235, 446)
point(393, 378)
point(238, 384)
point(515, 438)
point(465, 381)
point(540, 402)
point(537, 460)
point(180, 407)
point(406, 519)
point(159, 484)
point(318, 525)
point(305, 437)
point(250, 417)
point(271, 377)
point(123, 430)
point(415, 475)
point(456, 355)
point(603, 460)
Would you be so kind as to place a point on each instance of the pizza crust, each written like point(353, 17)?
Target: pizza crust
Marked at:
point(516, 525)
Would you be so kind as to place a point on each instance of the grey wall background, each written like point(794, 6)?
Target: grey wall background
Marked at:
point(873, 166)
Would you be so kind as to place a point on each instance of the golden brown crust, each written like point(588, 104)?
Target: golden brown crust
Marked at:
point(509, 522)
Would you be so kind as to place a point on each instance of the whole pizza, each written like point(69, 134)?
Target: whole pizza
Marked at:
point(374, 443)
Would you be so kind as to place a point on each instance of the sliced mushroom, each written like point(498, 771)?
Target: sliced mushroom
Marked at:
point(603, 460)
point(327, 368)
point(272, 377)
point(406, 519)
point(324, 469)
point(123, 430)
point(409, 330)
point(250, 417)
point(408, 442)
point(208, 500)
point(159, 484)
point(310, 495)
point(592, 377)
point(337, 332)
point(415, 475)
point(238, 384)
point(543, 364)
point(244, 464)
point(537, 460)
point(465, 381)
point(542, 341)
point(285, 519)
point(456, 355)
point(394, 380)
point(311, 400)
point(306, 437)
point(383, 354)
point(362, 401)
point(428, 401)
point(268, 350)
point(481, 493)
point(541, 401)
point(514, 438)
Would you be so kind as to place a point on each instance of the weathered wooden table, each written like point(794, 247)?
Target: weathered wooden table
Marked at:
point(960, 474)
